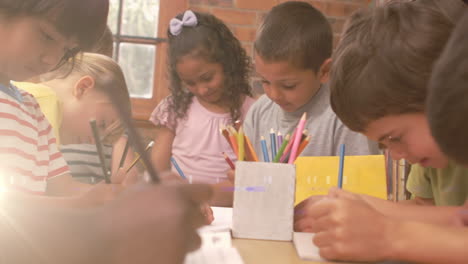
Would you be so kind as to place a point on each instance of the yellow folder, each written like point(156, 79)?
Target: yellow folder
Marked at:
point(362, 174)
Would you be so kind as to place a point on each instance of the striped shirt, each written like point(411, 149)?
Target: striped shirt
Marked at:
point(28, 150)
point(84, 162)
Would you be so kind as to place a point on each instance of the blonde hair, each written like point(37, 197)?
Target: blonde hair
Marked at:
point(108, 78)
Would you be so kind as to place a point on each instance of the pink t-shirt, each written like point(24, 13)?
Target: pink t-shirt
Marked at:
point(198, 143)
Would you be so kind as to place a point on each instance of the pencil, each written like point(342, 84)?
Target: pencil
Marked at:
point(273, 144)
point(280, 139)
point(223, 130)
point(340, 169)
point(240, 144)
point(179, 170)
point(233, 139)
point(229, 161)
point(124, 153)
point(264, 149)
point(283, 146)
point(135, 161)
point(288, 147)
point(100, 150)
point(250, 148)
point(303, 145)
point(297, 139)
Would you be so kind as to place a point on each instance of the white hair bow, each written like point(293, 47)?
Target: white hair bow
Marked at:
point(189, 20)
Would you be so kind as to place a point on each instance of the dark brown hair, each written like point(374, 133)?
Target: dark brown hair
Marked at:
point(295, 32)
point(212, 41)
point(83, 19)
point(105, 44)
point(382, 65)
point(447, 104)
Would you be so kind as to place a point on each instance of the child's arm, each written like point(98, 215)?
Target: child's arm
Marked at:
point(65, 185)
point(223, 194)
point(162, 150)
point(351, 230)
point(400, 211)
point(34, 231)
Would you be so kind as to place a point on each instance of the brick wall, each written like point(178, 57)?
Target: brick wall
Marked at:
point(244, 16)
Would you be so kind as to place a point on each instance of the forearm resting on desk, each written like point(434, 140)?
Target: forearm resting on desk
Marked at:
point(426, 243)
point(417, 210)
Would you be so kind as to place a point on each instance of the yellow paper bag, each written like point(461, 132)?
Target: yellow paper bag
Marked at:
point(362, 174)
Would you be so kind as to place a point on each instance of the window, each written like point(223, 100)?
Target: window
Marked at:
point(139, 28)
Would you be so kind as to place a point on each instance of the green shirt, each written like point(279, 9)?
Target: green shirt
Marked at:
point(448, 186)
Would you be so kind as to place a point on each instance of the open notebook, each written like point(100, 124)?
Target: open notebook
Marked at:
point(216, 241)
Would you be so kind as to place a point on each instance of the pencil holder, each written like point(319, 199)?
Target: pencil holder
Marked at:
point(264, 201)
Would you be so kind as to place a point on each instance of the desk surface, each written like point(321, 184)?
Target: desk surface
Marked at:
point(271, 252)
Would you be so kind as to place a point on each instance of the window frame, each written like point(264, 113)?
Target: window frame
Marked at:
point(142, 107)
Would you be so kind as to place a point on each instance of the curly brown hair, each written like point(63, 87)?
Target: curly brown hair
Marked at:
point(211, 40)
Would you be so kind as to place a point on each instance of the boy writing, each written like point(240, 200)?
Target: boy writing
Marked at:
point(389, 109)
point(293, 50)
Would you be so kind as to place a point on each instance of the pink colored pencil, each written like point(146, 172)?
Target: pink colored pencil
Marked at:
point(288, 147)
point(297, 138)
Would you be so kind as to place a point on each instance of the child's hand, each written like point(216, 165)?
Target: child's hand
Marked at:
point(350, 230)
point(231, 174)
point(302, 221)
point(145, 235)
point(208, 213)
point(101, 193)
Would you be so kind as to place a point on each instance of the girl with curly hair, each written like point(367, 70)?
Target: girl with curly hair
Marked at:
point(209, 84)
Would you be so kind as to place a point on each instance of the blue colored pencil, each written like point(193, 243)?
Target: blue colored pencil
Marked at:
point(264, 149)
point(273, 144)
point(179, 170)
point(340, 170)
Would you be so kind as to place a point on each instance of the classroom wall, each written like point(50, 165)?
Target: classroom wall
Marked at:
point(244, 16)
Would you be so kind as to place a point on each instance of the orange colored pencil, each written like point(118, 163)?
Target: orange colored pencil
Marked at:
point(252, 155)
point(223, 130)
point(303, 145)
point(233, 140)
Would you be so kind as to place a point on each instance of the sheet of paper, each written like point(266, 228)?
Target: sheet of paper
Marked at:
point(222, 220)
point(306, 250)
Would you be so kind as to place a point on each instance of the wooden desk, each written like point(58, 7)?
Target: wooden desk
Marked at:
point(269, 252)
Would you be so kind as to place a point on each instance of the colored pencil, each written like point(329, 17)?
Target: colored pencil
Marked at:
point(283, 146)
point(340, 169)
point(240, 144)
point(273, 144)
point(303, 145)
point(250, 148)
point(124, 153)
point(233, 140)
point(100, 150)
point(297, 139)
point(280, 139)
point(223, 130)
point(288, 147)
point(229, 161)
point(264, 149)
point(135, 161)
point(177, 167)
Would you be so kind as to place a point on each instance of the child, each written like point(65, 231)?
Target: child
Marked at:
point(391, 102)
point(209, 72)
point(81, 156)
point(41, 35)
point(447, 97)
point(381, 72)
point(81, 89)
point(36, 37)
point(293, 50)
